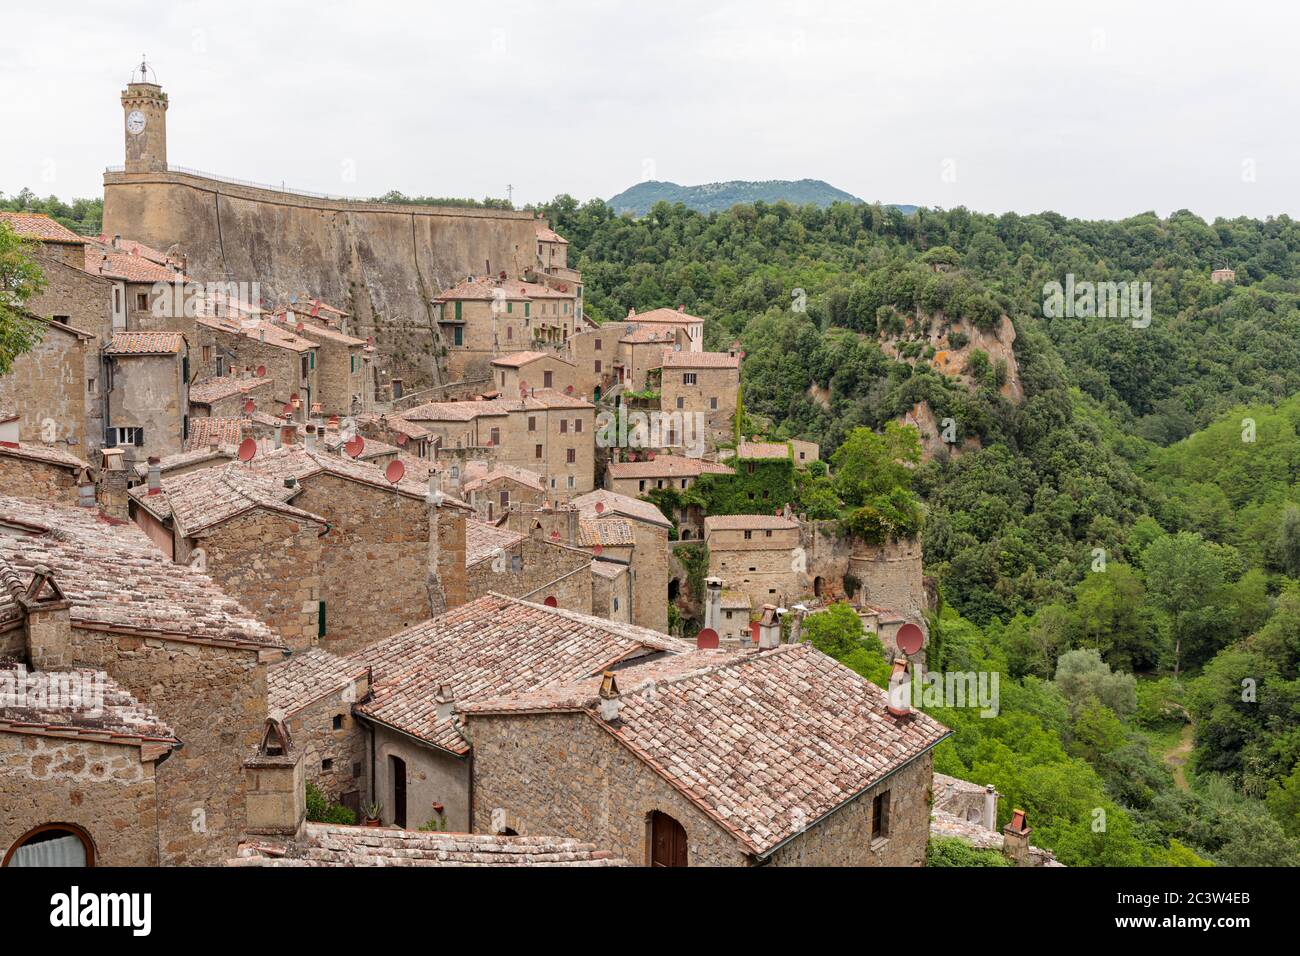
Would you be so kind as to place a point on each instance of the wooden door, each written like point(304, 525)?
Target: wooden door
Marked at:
point(667, 841)
point(398, 768)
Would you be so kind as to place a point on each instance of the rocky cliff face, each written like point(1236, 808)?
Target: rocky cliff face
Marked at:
point(948, 344)
point(383, 263)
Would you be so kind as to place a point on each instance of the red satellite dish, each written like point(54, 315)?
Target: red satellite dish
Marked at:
point(356, 446)
point(249, 407)
point(402, 440)
point(597, 551)
point(568, 390)
point(600, 506)
point(910, 639)
point(300, 328)
point(247, 449)
point(551, 602)
point(555, 536)
point(649, 456)
point(708, 639)
point(394, 472)
point(261, 371)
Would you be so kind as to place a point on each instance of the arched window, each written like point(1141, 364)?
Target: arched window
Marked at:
point(667, 841)
point(52, 844)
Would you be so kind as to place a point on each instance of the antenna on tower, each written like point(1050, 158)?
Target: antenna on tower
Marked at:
point(510, 193)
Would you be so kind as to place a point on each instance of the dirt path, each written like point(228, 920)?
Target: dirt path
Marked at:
point(1176, 756)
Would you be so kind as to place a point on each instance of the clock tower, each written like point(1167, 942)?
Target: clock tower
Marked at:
point(144, 106)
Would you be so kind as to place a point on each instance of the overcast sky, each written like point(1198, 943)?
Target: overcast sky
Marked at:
point(1098, 110)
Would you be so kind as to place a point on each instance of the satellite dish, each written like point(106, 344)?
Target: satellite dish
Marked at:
point(261, 371)
point(402, 440)
point(568, 390)
point(707, 640)
point(355, 447)
point(551, 602)
point(300, 328)
point(555, 535)
point(597, 551)
point(249, 406)
point(394, 472)
point(600, 506)
point(649, 456)
point(247, 449)
point(910, 639)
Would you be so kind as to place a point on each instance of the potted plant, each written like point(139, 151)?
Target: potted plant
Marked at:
point(371, 812)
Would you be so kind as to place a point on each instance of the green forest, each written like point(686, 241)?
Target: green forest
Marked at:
point(1122, 545)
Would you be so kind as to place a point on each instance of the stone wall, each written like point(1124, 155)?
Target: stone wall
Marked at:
point(382, 263)
point(562, 774)
point(106, 789)
point(545, 569)
point(334, 759)
point(150, 392)
point(49, 384)
point(650, 576)
point(214, 699)
point(432, 776)
point(891, 575)
point(284, 367)
point(24, 478)
point(271, 564)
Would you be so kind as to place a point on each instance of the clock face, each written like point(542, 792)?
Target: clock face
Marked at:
point(135, 122)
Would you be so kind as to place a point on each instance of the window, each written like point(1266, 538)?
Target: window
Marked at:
point(571, 456)
point(532, 423)
point(683, 482)
point(312, 357)
point(458, 337)
point(547, 378)
point(577, 425)
point(564, 426)
point(52, 844)
point(320, 620)
point(659, 483)
point(537, 452)
point(352, 362)
point(615, 604)
point(681, 402)
point(767, 534)
point(122, 437)
point(641, 485)
point(728, 615)
point(496, 436)
point(327, 765)
point(503, 379)
point(597, 366)
point(142, 301)
point(337, 722)
point(688, 378)
point(505, 499)
point(880, 817)
point(207, 354)
point(598, 349)
point(510, 308)
point(528, 308)
point(748, 535)
point(713, 404)
point(458, 305)
point(573, 482)
point(510, 333)
point(90, 386)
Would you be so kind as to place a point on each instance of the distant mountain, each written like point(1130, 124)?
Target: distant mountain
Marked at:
point(712, 197)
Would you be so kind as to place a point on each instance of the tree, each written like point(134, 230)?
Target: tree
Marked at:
point(1084, 678)
point(1185, 574)
point(1284, 802)
point(20, 279)
point(1111, 618)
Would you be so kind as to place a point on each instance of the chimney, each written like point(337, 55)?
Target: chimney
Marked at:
point(610, 705)
point(86, 489)
point(435, 496)
point(446, 701)
point(631, 313)
point(1015, 838)
point(275, 792)
point(713, 603)
point(769, 627)
point(113, 483)
point(117, 241)
point(310, 441)
point(572, 525)
point(155, 475)
point(991, 808)
point(48, 627)
point(289, 433)
point(900, 689)
point(796, 627)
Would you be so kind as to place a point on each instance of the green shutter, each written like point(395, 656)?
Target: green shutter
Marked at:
point(458, 311)
point(528, 308)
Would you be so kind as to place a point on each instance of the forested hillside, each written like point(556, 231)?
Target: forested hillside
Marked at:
point(1131, 513)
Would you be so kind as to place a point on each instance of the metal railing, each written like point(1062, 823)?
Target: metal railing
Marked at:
point(254, 185)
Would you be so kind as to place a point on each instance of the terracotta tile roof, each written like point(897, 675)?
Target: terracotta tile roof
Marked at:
point(334, 440)
point(115, 717)
point(498, 471)
point(547, 234)
point(614, 503)
point(215, 389)
point(261, 331)
point(198, 500)
point(45, 454)
point(483, 541)
point(736, 599)
point(664, 317)
point(750, 523)
point(396, 423)
point(613, 531)
point(37, 225)
point(104, 261)
point(315, 328)
point(762, 450)
point(765, 742)
point(295, 461)
point(666, 466)
point(518, 359)
point(306, 677)
point(329, 844)
point(487, 648)
point(117, 579)
point(419, 470)
point(187, 459)
point(224, 432)
point(642, 334)
point(455, 411)
point(131, 247)
point(483, 287)
point(145, 343)
point(674, 359)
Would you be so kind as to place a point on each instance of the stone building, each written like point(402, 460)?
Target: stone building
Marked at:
point(226, 397)
point(149, 289)
point(801, 452)
point(286, 357)
point(675, 472)
point(534, 566)
point(77, 776)
point(313, 693)
point(704, 385)
point(611, 590)
point(392, 556)
point(669, 762)
point(758, 555)
point(346, 373)
point(147, 384)
point(482, 318)
point(44, 473)
point(53, 399)
point(525, 370)
point(412, 438)
point(242, 530)
point(687, 330)
point(164, 634)
point(422, 759)
point(493, 489)
point(648, 564)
